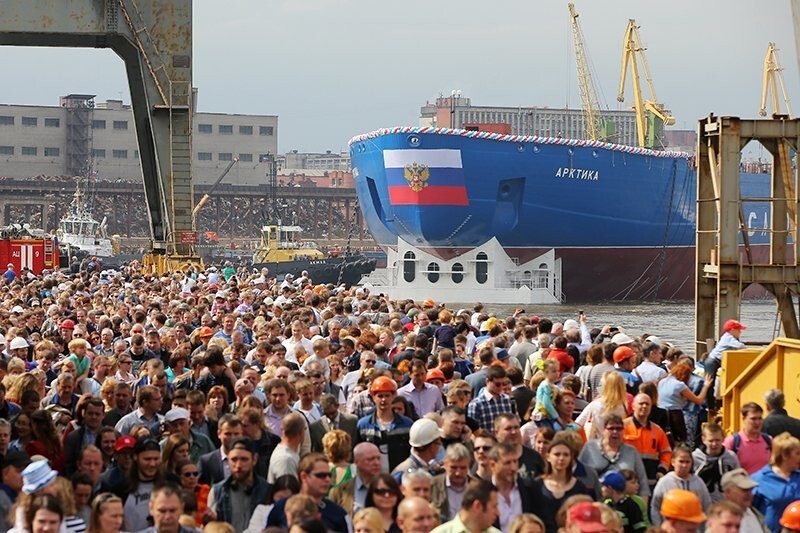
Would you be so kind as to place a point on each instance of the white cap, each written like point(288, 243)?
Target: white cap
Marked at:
point(570, 324)
point(423, 432)
point(268, 301)
point(620, 339)
point(653, 339)
point(17, 309)
point(176, 413)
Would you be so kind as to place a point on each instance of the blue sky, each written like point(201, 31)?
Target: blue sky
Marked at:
point(333, 69)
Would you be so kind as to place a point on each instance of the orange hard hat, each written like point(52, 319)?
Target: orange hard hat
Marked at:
point(622, 353)
point(791, 516)
point(382, 384)
point(435, 373)
point(682, 505)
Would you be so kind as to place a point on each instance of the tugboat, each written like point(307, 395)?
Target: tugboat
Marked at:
point(81, 236)
point(283, 251)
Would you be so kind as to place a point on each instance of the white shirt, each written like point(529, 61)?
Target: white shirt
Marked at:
point(647, 371)
point(290, 344)
point(510, 508)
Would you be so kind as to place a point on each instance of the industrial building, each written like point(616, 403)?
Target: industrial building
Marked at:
point(82, 136)
point(457, 111)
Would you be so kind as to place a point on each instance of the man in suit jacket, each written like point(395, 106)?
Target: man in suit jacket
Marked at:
point(520, 394)
point(332, 419)
point(351, 495)
point(75, 441)
point(515, 494)
point(214, 465)
point(447, 490)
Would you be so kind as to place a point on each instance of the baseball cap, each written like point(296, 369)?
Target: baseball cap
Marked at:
point(176, 413)
point(620, 339)
point(17, 309)
point(615, 480)
point(124, 443)
point(731, 325)
point(587, 516)
point(502, 354)
point(68, 324)
point(738, 477)
point(570, 324)
point(423, 432)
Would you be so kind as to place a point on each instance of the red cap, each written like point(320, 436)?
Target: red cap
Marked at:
point(124, 443)
point(731, 325)
point(213, 286)
point(622, 353)
point(69, 324)
point(587, 516)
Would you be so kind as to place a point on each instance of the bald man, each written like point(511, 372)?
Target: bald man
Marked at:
point(352, 494)
point(415, 515)
point(648, 438)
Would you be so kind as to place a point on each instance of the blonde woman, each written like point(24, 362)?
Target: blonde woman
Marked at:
point(368, 520)
point(337, 445)
point(613, 400)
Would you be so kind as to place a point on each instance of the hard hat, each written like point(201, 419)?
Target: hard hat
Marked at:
point(622, 353)
point(791, 516)
point(382, 384)
point(433, 374)
point(18, 343)
point(682, 505)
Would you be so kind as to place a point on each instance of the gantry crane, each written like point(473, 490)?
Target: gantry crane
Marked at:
point(772, 79)
point(595, 127)
point(647, 111)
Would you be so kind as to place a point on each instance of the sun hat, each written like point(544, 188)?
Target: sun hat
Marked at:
point(37, 475)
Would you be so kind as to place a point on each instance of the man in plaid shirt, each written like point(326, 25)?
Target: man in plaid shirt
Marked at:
point(492, 401)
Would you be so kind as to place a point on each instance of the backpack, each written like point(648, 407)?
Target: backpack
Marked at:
point(737, 441)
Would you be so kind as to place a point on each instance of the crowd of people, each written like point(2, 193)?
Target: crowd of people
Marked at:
point(225, 400)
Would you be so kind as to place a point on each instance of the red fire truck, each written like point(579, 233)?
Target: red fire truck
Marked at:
point(23, 247)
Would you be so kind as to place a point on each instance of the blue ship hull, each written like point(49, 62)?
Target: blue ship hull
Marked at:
point(622, 219)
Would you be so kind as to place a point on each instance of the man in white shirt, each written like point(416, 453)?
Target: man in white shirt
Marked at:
point(298, 329)
point(649, 370)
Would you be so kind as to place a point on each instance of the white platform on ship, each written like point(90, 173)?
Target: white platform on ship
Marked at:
point(484, 274)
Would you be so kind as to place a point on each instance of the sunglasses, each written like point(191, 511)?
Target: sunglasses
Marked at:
point(321, 475)
point(191, 474)
point(614, 428)
point(385, 492)
point(483, 448)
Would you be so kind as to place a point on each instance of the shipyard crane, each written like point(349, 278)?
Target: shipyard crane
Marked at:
point(593, 123)
point(772, 79)
point(207, 196)
point(647, 111)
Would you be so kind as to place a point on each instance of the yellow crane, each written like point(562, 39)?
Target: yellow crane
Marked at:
point(772, 79)
point(647, 111)
point(595, 126)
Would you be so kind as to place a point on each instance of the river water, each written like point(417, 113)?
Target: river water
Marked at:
point(670, 321)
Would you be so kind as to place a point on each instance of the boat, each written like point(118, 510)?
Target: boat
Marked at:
point(283, 251)
point(490, 214)
point(81, 235)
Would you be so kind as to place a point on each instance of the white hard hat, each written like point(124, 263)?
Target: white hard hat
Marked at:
point(17, 343)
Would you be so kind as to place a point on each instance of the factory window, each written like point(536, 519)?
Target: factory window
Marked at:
point(6, 150)
point(52, 152)
point(246, 158)
point(458, 273)
point(5, 120)
point(119, 154)
point(29, 150)
point(205, 128)
point(225, 156)
point(120, 124)
point(226, 129)
point(204, 156)
point(99, 152)
point(136, 154)
point(266, 130)
point(263, 158)
point(98, 124)
point(245, 130)
point(30, 121)
point(409, 266)
point(481, 267)
point(433, 272)
point(52, 123)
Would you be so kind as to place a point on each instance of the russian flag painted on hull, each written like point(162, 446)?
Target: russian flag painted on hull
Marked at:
point(425, 177)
